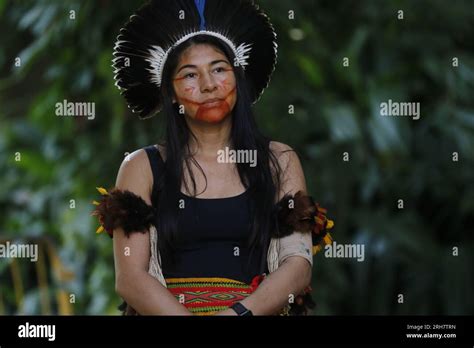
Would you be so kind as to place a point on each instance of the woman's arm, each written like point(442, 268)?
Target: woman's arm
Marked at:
point(132, 255)
point(278, 288)
point(294, 273)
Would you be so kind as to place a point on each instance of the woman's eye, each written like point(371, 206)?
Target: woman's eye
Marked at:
point(190, 75)
point(220, 69)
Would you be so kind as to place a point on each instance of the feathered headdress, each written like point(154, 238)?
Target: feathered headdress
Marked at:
point(147, 39)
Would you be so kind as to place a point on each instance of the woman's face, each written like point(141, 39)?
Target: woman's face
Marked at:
point(204, 83)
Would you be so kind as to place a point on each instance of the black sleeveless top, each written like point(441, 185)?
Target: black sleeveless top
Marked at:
point(212, 235)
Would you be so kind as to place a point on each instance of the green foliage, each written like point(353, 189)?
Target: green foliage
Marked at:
point(337, 110)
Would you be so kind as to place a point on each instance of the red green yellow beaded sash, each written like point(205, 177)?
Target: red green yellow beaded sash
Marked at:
point(207, 296)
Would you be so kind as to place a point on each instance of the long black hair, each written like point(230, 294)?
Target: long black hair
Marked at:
point(262, 181)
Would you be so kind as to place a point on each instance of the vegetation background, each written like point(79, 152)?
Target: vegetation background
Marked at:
point(46, 197)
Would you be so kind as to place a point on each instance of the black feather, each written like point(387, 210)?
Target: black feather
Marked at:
point(158, 23)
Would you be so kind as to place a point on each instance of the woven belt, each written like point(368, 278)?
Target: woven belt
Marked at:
point(207, 296)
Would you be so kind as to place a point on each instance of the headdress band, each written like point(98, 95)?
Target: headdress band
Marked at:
point(158, 55)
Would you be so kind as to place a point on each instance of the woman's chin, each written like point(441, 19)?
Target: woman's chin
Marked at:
point(212, 117)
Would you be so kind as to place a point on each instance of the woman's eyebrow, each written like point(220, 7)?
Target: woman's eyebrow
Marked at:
point(210, 64)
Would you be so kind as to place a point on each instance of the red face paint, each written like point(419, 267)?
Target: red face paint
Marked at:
point(217, 111)
point(209, 112)
point(214, 112)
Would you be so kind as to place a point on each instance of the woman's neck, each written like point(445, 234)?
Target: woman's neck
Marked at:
point(210, 138)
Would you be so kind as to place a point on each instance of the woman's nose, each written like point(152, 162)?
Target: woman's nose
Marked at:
point(207, 83)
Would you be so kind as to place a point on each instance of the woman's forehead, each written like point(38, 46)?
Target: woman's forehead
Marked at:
point(201, 54)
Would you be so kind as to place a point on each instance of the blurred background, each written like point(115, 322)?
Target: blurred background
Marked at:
point(399, 50)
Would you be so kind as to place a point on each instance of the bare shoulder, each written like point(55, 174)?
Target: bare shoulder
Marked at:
point(292, 175)
point(284, 153)
point(135, 174)
point(279, 147)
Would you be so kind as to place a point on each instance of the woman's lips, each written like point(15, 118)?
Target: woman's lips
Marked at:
point(213, 111)
point(211, 103)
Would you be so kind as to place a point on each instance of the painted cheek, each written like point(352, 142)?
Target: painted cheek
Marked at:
point(184, 86)
point(189, 90)
point(226, 83)
point(189, 106)
point(224, 86)
point(185, 97)
point(231, 96)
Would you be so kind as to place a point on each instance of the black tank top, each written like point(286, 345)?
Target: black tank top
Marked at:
point(212, 235)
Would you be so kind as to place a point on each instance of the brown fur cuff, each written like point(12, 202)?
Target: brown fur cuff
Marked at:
point(123, 209)
point(300, 213)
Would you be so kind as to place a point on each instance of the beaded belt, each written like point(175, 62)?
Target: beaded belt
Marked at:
point(207, 296)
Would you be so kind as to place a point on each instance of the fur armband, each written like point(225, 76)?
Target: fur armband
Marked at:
point(123, 209)
point(300, 213)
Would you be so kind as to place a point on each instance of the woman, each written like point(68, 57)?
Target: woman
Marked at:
point(216, 220)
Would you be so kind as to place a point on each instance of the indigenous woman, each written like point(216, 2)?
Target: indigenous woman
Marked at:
point(197, 232)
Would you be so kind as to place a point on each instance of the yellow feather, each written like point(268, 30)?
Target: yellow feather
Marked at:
point(330, 224)
point(102, 190)
point(316, 248)
point(327, 239)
